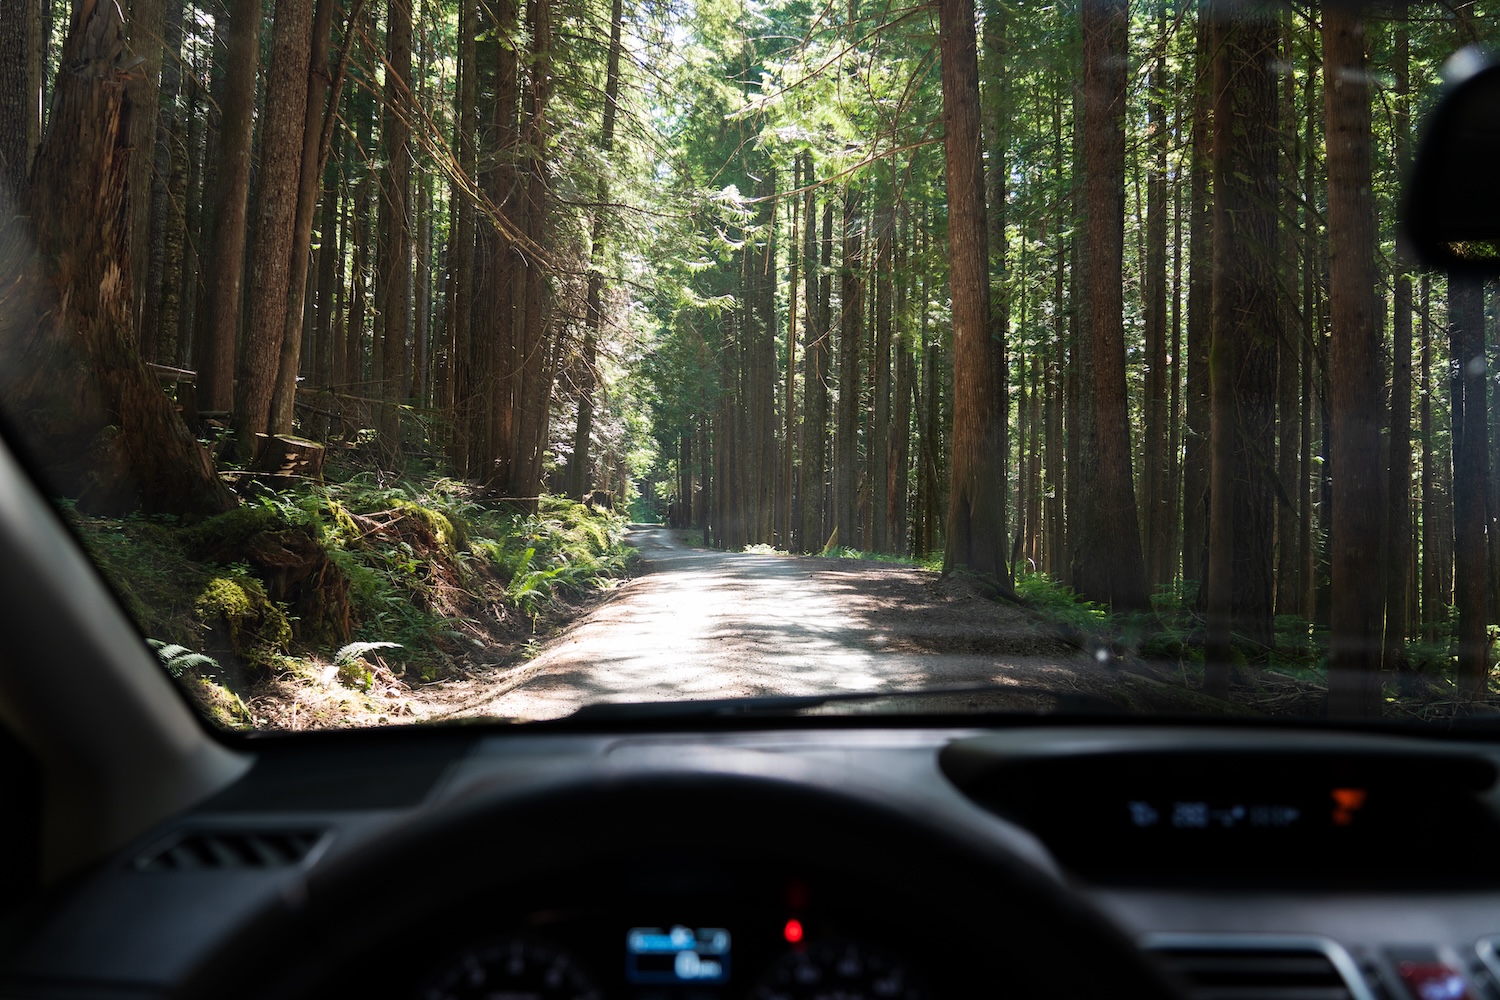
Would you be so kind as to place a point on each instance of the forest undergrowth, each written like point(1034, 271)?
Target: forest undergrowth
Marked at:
point(1158, 657)
point(365, 600)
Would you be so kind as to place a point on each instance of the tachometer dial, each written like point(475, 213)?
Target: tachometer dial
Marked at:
point(513, 968)
point(839, 970)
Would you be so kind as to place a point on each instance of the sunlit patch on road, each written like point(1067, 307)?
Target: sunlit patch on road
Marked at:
point(701, 625)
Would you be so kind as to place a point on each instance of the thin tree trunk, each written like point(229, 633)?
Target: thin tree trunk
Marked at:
point(145, 32)
point(578, 463)
point(880, 363)
point(395, 260)
point(1398, 486)
point(219, 320)
point(461, 250)
point(1470, 472)
point(1156, 459)
point(1197, 417)
point(1354, 379)
point(851, 300)
point(1433, 606)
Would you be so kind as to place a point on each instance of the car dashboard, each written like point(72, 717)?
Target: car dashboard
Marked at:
point(785, 861)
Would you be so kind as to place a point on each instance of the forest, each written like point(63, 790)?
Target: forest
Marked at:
point(1099, 296)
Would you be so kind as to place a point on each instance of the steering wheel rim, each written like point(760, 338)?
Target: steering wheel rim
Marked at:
point(357, 905)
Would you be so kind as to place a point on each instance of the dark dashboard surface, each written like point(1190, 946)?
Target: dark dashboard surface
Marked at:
point(785, 863)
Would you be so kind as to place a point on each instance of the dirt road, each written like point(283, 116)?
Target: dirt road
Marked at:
point(701, 624)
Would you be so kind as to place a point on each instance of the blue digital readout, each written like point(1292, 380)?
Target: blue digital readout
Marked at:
point(677, 955)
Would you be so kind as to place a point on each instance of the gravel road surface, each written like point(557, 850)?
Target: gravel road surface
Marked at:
point(703, 624)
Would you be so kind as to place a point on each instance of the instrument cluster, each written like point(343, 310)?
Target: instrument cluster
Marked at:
point(757, 955)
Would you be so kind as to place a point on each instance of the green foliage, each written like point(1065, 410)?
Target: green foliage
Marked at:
point(179, 660)
point(239, 601)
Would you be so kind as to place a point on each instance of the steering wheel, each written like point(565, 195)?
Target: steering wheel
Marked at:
point(1005, 927)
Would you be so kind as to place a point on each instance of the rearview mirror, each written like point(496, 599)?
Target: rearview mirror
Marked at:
point(1452, 206)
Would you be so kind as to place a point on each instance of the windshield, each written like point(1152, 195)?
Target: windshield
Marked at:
point(405, 363)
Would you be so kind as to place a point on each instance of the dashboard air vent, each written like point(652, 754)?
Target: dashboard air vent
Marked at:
point(1224, 967)
point(227, 850)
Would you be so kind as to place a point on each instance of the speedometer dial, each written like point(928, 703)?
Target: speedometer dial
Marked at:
point(513, 968)
point(834, 970)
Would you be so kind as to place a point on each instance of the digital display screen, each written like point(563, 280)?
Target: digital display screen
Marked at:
point(1341, 808)
point(677, 954)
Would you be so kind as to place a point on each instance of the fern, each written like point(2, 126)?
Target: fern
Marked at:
point(356, 650)
point(179, 659)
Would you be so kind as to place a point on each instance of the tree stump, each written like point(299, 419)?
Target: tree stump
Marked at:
point(286, 457)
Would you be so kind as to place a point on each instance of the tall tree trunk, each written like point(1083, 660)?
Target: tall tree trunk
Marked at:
point(1197, 415)
point(852, 304)
point(900, 446)
point(1158, 389)
point(997, 112)
point(145, 35)
point(310, 174)
point(1433, 606)
point(1470, 471)
point(787, 513)
point(20, 82)
point(396, 230)
point(880, 363)
point(1398, 486)
point(91, 417)
point(1247, 316)
point(219, 321)
point(815, 357)
point(465, 373)
point(578, 463)
point(1291, 496)
point(159, 329)
point(976, 514)
point(1118, 571)
point(285, 125)
point(1354, 378)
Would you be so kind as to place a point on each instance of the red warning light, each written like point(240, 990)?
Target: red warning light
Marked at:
point(792, 931)
point(1347, 801)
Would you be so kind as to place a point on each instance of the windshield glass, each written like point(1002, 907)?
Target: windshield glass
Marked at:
point(448, 360)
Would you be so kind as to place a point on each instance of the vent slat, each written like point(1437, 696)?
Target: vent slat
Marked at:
point(1248, 973)
point(230, 850)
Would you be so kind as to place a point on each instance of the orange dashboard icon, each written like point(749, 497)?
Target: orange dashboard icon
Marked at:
point(1346, 802)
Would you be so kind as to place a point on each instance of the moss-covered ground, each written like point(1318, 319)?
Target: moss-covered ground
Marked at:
point(354, 602)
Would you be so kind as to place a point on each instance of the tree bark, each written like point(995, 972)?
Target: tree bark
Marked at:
point(145, 35)
point(282, 132)
point(87, 412)
point(20, 83)
point(1197, 415)
point(852, 304)
point(1118, 573)
point(1355, 379)
point(219, 321)
point(1156, 459)
point(1398, 486)
point(1243, 357)
point(578, 462)
point(1470, 470)
point(310, 174)
point(396, 230)
point(976, 514)
point(461, 250)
